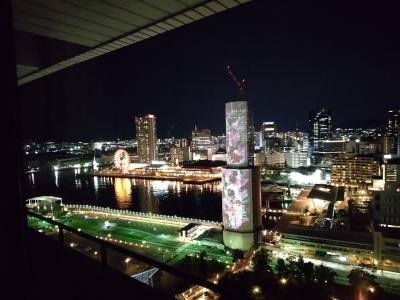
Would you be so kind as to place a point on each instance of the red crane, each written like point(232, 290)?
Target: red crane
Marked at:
point(239, 83)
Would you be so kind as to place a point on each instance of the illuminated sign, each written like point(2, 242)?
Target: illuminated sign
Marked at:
point(237, 203)
point(236, 133)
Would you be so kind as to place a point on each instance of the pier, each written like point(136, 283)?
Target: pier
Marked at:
point(184, 179)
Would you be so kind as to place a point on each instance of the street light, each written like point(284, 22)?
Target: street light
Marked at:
point(283, 280)
point(256, 290)
point(127, 260)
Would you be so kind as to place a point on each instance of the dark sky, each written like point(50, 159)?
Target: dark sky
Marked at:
point(295, 56)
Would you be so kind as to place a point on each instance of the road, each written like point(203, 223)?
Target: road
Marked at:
point(390, 281)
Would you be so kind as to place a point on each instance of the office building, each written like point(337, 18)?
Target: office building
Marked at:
point(201, 141)
point(269, 135)
point(268, 130)
point(332, 146)
point(241, 191)
point(180, 154)
point(386, 203)
point(354, 170)
point(320, 127)
point(386, 216)
point(296, 159)
point(393, 122)
point(146, 137)
point(275, 159)
point(393, 128)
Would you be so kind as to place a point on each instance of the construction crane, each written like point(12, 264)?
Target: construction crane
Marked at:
point(239, 83)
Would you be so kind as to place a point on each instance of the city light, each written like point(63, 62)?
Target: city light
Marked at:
point(256, 290)
point(302, 208)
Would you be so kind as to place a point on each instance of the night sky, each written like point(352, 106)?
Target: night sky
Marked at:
point(295, 56)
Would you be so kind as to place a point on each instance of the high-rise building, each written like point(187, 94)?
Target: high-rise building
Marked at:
point(398, 142)
point(268, 131)
point(320, 127)
point(387, 202)
point(180, 154)
point(393, 128)
point(386, 217)
point(201, 139)
point(146, 138)
point(241, 192)
point(393, 122)
point(387, 144)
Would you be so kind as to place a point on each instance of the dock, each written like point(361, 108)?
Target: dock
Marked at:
point(184, 179)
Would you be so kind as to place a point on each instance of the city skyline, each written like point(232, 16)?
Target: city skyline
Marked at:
point(192, 149)
point(290, 66)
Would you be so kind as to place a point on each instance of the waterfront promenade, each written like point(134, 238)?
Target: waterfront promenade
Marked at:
point(184, 179)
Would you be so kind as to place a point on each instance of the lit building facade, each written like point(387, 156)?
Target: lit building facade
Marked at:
point(320, 127)
point(201, 144)
point(146, 137)
point(268, 129)
point(354, 170)
point(386, 216)
point(268, 132)
point(180, 154)
point(296, 159)
point(275, 159)
point(386, 203)
point(393, 128)
point(340, 246)
point(241, 192)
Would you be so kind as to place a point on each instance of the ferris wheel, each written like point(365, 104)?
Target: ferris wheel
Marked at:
point(121, 160)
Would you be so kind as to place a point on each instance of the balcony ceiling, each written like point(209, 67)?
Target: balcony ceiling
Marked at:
point(51, 35)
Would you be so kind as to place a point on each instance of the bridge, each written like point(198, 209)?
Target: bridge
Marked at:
point(143, 216)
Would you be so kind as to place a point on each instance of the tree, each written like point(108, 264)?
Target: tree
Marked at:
point(324, 276)
point(308, 271)
point(237, 254)
point(281, 268)
point(342, 213)
point(363, 283)
point(261, 261)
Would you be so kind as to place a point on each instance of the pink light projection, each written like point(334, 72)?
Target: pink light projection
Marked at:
point(236, 199)
point(236, 133)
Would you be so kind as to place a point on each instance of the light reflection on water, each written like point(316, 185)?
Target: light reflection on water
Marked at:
point(163, 197)
point(123, 192)
point(56, 178)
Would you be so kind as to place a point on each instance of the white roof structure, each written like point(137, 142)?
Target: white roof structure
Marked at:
point(44, 199)
point(52, 35)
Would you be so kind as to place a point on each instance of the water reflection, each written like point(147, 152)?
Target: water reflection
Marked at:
point(96, 184)
point(163, 197)
point(123, 189)
point(159, 187)
point(32, 179)
point(56, 178)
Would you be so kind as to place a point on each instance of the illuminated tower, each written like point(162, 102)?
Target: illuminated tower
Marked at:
point(146, 138)
point(241, 198)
